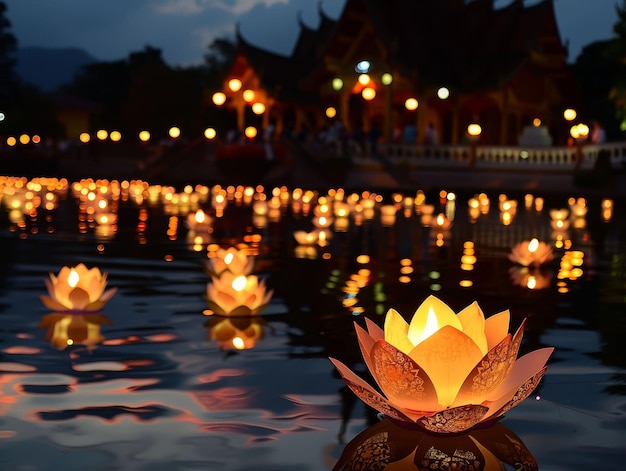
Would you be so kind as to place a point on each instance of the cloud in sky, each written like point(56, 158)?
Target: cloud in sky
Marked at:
point(183, 29)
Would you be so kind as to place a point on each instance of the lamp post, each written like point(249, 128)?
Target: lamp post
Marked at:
point(580, 133)
point(473, 133)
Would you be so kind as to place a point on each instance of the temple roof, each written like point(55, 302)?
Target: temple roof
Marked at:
point(469, 47)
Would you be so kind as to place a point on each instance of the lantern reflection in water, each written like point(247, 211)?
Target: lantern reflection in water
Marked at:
point(236, 333)
point(64, 329)
point(387, 445)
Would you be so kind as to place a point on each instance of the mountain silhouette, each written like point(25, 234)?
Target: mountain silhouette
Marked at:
point(48, 68)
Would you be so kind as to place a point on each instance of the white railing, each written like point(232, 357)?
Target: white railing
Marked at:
point(564, 159)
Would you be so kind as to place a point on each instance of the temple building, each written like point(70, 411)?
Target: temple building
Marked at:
point(393, 63)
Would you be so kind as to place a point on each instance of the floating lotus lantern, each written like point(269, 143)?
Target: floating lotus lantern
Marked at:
point(445, 372)
point(63, 329)
point(237, 295)
point(77, 289)
point(234, 260)
point(199, 221)
point(531, 253)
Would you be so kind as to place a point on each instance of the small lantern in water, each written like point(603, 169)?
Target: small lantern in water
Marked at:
point(445, 372)
point(237, 295)
point(77, 289)
point(531, 253)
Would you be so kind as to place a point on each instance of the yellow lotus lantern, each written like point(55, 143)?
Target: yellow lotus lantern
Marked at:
point(237, 295)
point(232, 259)
point(77, 289)
point(445, 372)
point(531, 253)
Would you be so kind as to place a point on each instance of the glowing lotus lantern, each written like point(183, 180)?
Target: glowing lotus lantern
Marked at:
point(445, 372)
point(237, 295)
point(199, 221)
point(531, 253)
point(232, 259)
point(77, 289)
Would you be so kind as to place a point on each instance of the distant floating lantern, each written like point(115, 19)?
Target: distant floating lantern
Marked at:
point(77, 289)
point(144, 136)
point(258, 108)
point(249, 95)
point(234, 85)
point(411, 104)
point(219, 98)
point(531, 253)
point(237, 295)
point(368, 93)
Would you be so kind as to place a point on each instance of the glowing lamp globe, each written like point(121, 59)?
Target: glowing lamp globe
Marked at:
point(234, 85)
point(411, 104)
point(445, 372)
point(77, 289)
point(219, 98)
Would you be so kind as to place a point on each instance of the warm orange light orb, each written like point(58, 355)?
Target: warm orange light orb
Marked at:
point(144, 136)
point(115, 136)
point(11, 141)
point(174, 132)
point(331, 112)
point(364, 79)
point(258, 108)
point(84, 137)
point(24, 139)
point(250, 132)
point(569, 114)
point(249, 95)
point(474, 130)
point(536, 122)
point(579, 131)
point(443, 93)
point(368, 93)
point(210, 133)
point(219, 98)
point(102, 134)
point(36, 139)
point(411, 104)
point(234, 85)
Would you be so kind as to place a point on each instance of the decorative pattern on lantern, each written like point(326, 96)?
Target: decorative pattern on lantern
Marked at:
point(445, 372)
point(531, 253)
point(232, 259)
point(77, 289)
point(237, 295)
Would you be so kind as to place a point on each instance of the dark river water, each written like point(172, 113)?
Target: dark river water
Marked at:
point(154, 382)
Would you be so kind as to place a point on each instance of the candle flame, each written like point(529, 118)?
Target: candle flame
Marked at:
point(239, 283)
point(440, 220)
point(238, 343)
point(532, 282)
point(200, 216)
point(431, 326)
point(72, 280)
point(228, 258)
point(533, 245)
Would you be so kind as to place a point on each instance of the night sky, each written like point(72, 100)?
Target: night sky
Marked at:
point(182, 29)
